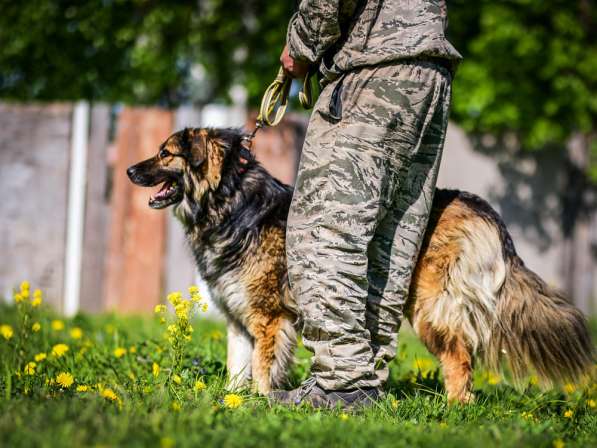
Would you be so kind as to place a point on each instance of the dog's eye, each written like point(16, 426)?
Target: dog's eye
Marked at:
point(164, 153)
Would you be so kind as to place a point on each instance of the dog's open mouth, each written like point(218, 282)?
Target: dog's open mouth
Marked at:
point(170, 193)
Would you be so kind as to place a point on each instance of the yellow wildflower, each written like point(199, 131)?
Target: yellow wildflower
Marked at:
point(18, 297)
point(422, 364)
point(591, 403)
point(176, 406)
point(174, 298)
point(159, 309)
point(527, 415)
point(569, 413)
point(558, 443)
point(119, 352)
point(30, 368)
point(533, 380)
point(37, 298)
point(199, 386)
point(65, 379)
point(343, 417)
point(204, 307)
point(155, 369)
point(233, 401)
point(109, 394)
point(40, 357)
point(194, 289)
point(25, 285)
point(132, 349)
point(172, 329)
point(394, 403)
point(492, 378)
point(57, 325)
point(177, 379)
point(36, 327)
point(83, 388)
point(569, 388)
point(6, 331)
point(76, 333)
point(59, 350)
point(216, 335)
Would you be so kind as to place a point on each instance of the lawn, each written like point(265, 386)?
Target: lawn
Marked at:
point(158, 381)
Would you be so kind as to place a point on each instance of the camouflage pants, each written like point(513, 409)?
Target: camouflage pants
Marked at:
point(361, 204)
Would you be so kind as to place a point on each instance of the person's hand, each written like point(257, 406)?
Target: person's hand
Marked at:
point(295, 69)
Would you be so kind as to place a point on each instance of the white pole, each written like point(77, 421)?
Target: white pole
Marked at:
point(76, 207)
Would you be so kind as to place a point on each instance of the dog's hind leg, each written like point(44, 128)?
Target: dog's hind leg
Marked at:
point(455, 357)
point(239, 356)
point(274, 343)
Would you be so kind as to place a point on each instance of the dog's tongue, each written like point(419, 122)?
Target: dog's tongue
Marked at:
point(163, 191)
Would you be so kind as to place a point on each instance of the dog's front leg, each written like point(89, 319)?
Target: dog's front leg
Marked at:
point(240, 353)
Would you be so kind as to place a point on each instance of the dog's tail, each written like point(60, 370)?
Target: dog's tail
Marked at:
point(536, 327)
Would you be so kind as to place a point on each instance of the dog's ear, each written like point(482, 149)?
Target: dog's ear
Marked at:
point(198, 148)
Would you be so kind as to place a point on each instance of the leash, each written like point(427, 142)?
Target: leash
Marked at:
point(277, 95)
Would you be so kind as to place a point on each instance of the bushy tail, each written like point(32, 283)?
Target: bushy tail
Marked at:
point(537, 328)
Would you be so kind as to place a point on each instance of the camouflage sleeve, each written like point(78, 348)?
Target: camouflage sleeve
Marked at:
point(313, 29)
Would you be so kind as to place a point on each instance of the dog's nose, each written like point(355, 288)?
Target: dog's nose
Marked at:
point(130, 172)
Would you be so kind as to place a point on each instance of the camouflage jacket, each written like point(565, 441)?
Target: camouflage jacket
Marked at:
point(344, 34)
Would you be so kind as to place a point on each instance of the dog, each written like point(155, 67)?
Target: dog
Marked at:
point(471, 295)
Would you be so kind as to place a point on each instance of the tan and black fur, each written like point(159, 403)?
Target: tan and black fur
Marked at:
point(471, 295)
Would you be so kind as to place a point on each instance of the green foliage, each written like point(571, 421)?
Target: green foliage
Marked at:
point(530, 68)
point(119, 397)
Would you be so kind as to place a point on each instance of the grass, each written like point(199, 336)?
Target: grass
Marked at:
point(147, 389)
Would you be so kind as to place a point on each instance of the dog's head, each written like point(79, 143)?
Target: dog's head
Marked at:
point(189, 162)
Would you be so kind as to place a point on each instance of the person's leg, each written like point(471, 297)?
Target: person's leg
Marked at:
point(395, 247)
point(333, 216)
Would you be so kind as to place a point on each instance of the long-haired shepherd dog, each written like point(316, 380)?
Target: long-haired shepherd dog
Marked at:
point(471, 295)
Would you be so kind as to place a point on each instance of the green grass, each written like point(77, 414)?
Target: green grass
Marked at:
point(156, 411)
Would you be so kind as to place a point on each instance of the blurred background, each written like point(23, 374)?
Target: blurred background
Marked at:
point(89, 87)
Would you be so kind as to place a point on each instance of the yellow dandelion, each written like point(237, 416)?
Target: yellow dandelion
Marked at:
point(216, 335)
point(132, 349)
point(533, 380)
point(59, 350)
point(177, 379)
point(591, 403)
point(36, 327)
point(558, 443)
point(57, 325)
point(119, 352)
point(569, 388)
point(176, 406)
point(343, 417)
point(30, 368)
point(422, 364)
point(233, 401)
point(6, 331)
point(493, 379)
point(76, 333)
point(155, 369)
point(199, 386)
point(109, 394)
point(83, 388)
point(569, 413)
point(65, 380)
point(394, 403)
point(40, 357)
point(159, 309)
